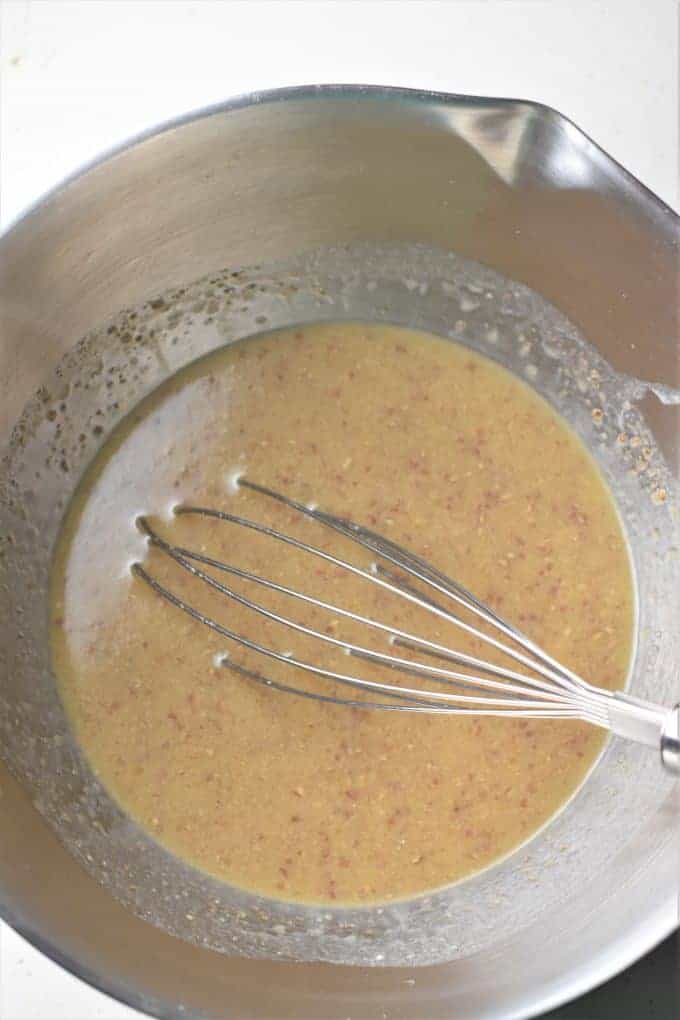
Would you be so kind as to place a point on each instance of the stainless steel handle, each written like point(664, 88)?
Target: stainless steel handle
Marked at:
point(670, 742)
point(646, 723)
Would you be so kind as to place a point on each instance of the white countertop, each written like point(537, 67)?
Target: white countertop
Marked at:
point(79, 77)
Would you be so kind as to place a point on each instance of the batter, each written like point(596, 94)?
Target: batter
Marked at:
point(426, 442)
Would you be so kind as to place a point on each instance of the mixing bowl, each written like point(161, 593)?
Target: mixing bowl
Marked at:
point(495, 222)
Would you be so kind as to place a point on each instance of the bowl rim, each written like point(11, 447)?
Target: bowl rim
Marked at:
point(332, 91)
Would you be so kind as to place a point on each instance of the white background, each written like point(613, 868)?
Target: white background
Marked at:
point(78, 77)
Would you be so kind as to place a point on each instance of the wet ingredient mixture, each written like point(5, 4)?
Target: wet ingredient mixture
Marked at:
point(426, 442)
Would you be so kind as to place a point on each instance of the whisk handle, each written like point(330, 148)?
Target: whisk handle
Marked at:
point(647, 723)
point(670, 742)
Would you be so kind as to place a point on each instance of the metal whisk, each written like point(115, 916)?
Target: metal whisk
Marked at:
point(540, 688)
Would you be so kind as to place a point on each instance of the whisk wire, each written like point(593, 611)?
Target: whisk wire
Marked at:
point(435, 673)
point(548, 690)
point(424, 572)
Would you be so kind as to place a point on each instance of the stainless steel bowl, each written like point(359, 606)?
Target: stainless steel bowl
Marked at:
point(358, 196)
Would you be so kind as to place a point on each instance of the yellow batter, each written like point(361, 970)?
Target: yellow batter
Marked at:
point(420, 439)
